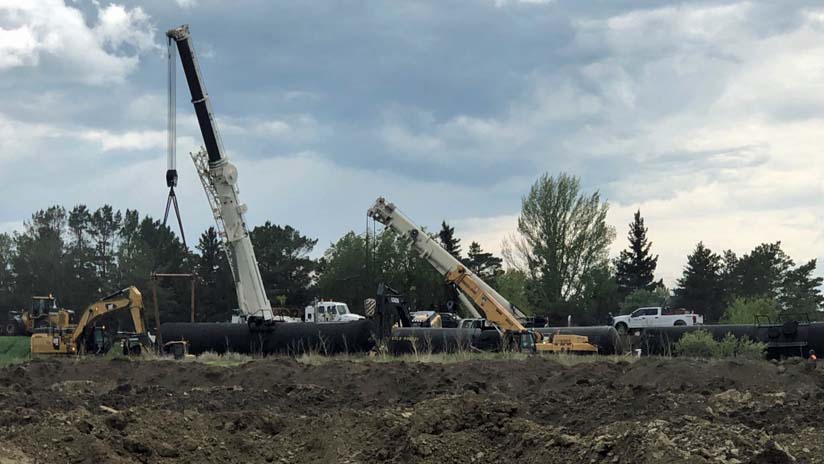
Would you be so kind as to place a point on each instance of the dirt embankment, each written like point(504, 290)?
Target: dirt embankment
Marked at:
point(279, 410)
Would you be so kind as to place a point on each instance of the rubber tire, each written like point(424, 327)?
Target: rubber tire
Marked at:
point(679, 323)
point(621, 328)
point(10, 329)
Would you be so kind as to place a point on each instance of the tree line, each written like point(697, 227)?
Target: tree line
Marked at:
point(557, 265)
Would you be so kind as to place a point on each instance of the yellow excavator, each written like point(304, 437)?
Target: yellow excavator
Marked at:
point(117, 318)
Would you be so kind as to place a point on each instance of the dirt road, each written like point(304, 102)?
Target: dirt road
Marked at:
point(537, 410)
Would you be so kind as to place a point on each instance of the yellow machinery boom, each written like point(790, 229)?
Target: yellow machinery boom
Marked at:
point(116, 317)
point(473, 292)
point(493, 311)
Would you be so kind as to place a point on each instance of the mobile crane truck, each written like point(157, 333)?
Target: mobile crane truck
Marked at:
point(260, 333)
point(475, 294)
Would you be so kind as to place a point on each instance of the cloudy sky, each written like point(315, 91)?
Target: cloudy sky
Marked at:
point(705, 115)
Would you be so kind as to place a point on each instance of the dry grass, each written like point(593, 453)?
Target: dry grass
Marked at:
point(314, 359)
point(222, 360)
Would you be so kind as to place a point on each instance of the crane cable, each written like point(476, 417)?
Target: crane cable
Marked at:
point(171, 142)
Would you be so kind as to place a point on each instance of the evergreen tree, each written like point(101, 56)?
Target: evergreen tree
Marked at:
point(484, 265)
point(700, 288)
point(635, 266)
point(216, 295)
point(39, 259)
point(285, 265)
point(449, 241)
point(6, 271)
point(761, 272)
point(801, 292)
point(80, 261)
point(730, 281)
point(104, 228)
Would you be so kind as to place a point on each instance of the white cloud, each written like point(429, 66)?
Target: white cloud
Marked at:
point(294, 128)
point(132, 140)
point(17, 47)
point(118, 26)
point(34, 31)
point(502, 3)
point(186, 3)
point(135, 140)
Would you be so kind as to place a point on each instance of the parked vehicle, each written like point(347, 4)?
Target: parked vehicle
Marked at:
point(655, 316)
point(426, 319)
point(450, 320)
point(330, 311)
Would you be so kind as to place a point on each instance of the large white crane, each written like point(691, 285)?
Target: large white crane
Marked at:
point(219, 178)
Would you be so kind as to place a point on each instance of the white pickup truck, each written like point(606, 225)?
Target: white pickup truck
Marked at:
point(655, 316)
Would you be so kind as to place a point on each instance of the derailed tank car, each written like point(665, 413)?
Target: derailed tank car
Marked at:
point(406, 340)
point(786, 339)
point(283, 338)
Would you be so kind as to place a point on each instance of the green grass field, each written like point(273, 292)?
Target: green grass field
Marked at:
point(14, 350)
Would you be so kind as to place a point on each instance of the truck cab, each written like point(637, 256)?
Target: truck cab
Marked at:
point(329, 311)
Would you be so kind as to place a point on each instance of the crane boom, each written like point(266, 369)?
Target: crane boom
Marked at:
point(387, 214)
point(495, 308)
point(220, 184)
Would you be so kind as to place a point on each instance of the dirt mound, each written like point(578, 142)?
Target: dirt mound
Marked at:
point(537, 410)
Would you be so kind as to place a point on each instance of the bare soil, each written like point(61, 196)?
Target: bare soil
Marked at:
point(537, 410)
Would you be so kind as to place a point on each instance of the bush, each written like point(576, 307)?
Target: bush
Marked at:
point(749, 349)
point(698, 344)
point(701, 344)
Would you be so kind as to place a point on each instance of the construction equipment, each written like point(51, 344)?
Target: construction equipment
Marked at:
point(219, 179)
point(116, 318)
point(43, 312)
point(426, 319)
point(472, 290)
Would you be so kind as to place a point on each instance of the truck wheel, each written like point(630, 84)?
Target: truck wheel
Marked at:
point(621, 328)
point(680, 322)
point(10, 329)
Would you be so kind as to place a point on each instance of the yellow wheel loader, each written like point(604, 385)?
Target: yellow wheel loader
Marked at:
point(43, 312)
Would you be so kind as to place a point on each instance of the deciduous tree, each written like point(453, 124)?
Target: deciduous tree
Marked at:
point(562, 235)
